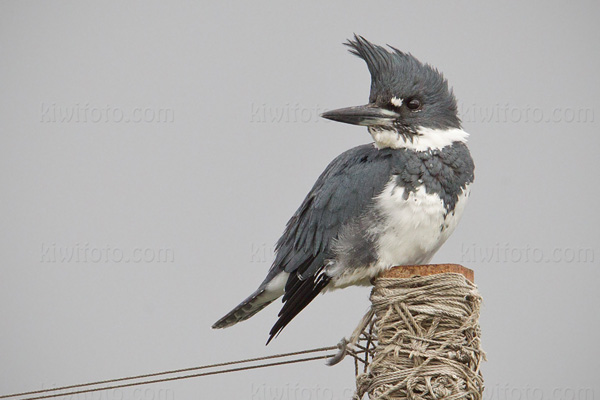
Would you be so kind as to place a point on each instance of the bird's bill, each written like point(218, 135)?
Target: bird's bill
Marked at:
point(366, 115)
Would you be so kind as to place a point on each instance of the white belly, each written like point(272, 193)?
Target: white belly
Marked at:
point(413, 229)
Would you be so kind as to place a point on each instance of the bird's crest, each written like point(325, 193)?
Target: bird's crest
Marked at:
point(379, 60)
point(396, 70)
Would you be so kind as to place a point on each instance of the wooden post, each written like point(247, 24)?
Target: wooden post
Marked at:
point(422, 335)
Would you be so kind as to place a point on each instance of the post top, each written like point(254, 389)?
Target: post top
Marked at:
point(408, 271)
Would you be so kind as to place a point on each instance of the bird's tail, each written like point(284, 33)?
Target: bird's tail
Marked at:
point(247, 308)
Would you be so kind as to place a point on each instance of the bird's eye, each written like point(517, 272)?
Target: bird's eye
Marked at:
point(413, 104)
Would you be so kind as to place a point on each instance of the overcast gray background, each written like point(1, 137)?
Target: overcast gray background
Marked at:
point(216, 180)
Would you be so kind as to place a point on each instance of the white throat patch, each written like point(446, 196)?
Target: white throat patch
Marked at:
point(427, 138)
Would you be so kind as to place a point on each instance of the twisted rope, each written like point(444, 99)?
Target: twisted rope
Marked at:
point(426, 339)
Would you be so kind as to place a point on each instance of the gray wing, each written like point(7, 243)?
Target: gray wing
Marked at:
point(343, 192)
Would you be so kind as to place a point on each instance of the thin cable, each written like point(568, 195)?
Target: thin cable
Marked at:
point(177, 371)
point(175, 378)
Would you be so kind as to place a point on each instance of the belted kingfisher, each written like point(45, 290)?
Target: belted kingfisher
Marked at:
point(391, 202)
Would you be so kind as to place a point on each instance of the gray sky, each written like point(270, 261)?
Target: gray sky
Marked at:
point(151, 153)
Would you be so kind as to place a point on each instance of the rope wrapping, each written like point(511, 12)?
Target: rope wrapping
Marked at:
point(426, 340)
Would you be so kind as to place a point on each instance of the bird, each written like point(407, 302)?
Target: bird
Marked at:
point(391, 202)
